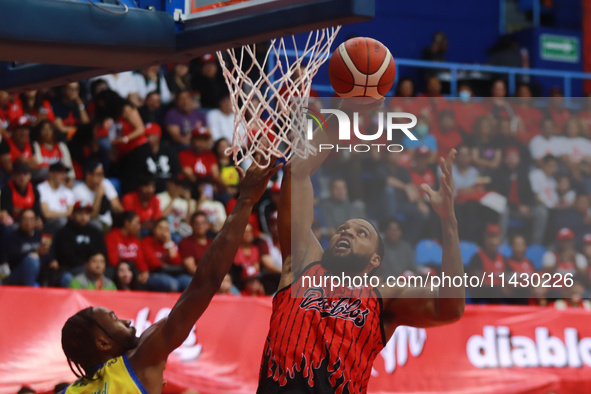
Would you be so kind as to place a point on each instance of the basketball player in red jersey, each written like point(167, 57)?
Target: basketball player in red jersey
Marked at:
point(323, 340)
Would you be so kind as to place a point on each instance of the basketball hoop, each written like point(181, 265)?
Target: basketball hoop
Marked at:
point(279, 94)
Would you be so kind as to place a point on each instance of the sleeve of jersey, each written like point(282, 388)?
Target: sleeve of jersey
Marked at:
point(150, 258)
point(112, 250)
point(141, 262)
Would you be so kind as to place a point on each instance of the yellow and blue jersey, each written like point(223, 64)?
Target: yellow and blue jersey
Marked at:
point(116, 376)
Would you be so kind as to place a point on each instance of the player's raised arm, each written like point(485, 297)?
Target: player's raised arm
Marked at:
point(210, 272)
point(422, 307)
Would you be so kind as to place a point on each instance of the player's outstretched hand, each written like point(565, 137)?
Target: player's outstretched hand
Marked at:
point(254, 182)
point(442, 201)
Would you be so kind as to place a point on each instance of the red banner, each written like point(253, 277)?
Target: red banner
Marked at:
point(492, 349)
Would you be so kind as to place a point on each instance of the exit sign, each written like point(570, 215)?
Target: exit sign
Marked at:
point(560, 48)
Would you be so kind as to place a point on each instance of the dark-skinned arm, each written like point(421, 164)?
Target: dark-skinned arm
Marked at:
point(171, 332)
point(421, 306)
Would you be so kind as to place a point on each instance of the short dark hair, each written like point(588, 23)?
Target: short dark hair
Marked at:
point(548, 158)
point(78, 343)
point(119, 219)
point(196, 214)
point(384, 224)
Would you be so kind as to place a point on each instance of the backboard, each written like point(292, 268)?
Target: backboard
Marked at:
point(64, 40)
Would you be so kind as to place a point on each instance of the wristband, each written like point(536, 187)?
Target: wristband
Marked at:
point(169, 245)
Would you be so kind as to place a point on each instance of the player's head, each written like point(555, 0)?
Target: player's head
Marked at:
point(492, 238)
point(93, 336)
point(356, 247)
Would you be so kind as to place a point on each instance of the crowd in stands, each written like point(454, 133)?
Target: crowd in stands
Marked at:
point(121, 182)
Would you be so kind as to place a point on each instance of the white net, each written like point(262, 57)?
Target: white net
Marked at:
point(270, 94)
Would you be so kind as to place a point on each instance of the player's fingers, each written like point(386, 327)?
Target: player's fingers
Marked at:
point(443, 166)
point(274, 170)
point(428, 189)
point(240, 171)
point(451, 157)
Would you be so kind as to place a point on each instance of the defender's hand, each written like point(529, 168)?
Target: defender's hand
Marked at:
point(253, 184)
point(442, 201)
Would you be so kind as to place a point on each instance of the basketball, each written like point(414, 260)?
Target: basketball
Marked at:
point(361, 67)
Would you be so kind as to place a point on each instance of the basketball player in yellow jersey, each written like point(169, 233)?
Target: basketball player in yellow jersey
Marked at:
point(103, 350)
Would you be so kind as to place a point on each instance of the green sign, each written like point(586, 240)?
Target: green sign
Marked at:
point(560, 48)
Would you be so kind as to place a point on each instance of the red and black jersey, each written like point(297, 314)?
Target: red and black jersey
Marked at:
point(321, 341)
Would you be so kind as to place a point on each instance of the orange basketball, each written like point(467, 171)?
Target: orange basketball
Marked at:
point(361, 67)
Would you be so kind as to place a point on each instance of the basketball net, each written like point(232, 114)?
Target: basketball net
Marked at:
point(269, 97)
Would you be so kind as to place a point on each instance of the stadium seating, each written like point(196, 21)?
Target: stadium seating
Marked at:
point(428, 252)
point(468, 249)
point(535, 253)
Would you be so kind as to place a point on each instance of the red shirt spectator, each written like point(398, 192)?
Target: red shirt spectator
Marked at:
point(447, 134)
point(124, 129)
point(467, 113)
point(421, 173)
point(194, 247)
point(19, 194)
point(199, 163)
point(159, 249)
point(31, 106)
point(144, 202)
point(123, 244)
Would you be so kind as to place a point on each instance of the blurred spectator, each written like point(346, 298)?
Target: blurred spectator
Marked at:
point(399, 256)
point(176, 205)
point(576, 217)
point(7, 109)
point(511, 180)
point(73, 243)
point(438, 48)
point(405, 88)
point(70, 110)
point(123, 244)
point(467, 110)
point(183, 119)
point(199, 164)
point(100, 192)
point(507, 137)
point(573, 297)
point(221, 119)
point(446, 134)
point(575, 148)
point(5, 159)
point(433, 88)
point(124, 85)
point(421, 172)
point(194, 247)
point(227, 287)
point(268, 204)
point(152, 111)
point(247, 257)
point(566, 195)
point(421, 132)
point(215, 210)
point(151, 79)
point(272, 259)
point(556, 109)
point(178, 79)
point(164, 260)
point(528, 116)
point(144, 202)
point(337, 208)
point(228, 171)
point(48, 150)
point(23, 250)
point(19, 194)
point(547, 143)
point(163, 162)
point(521, 267)
point(56, 199)
point(251, 282)
point(544, 187)
point(485, 151)
point(93, 277)
point(126, 276)
point(209, 82)
point(565, 259)
point(33, 107)
point(21, 149)
point(490, 263)
point(85, 149)
point(131, 144)
point(500, 106)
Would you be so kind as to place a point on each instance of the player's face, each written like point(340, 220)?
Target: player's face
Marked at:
point(117, 330)
point(351, 248)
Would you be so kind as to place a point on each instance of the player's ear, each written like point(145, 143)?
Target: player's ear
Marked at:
point(102, 343)
point(375, 261)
